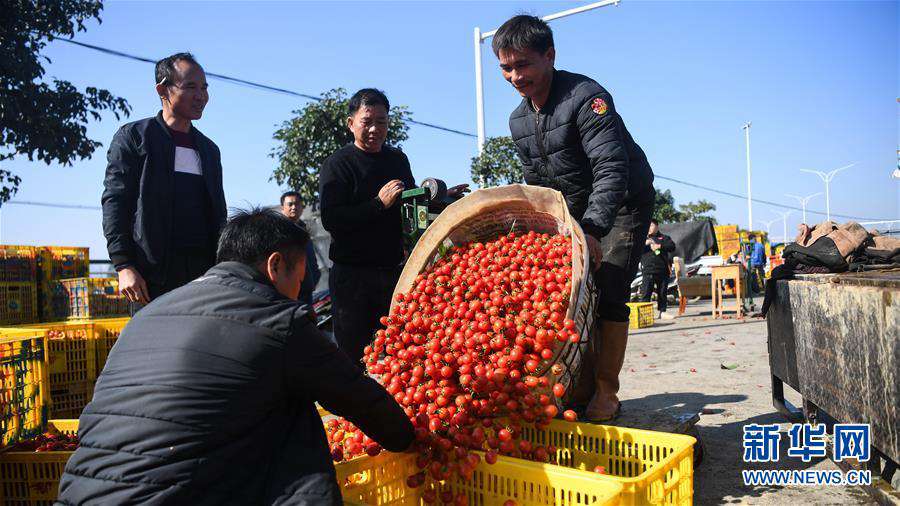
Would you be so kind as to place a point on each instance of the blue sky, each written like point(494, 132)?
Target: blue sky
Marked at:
point(819, 81)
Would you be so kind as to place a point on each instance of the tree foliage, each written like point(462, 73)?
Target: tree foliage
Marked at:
point(498, 163)
point(666, 212)
point(314, 133)
point(697, 210)
point(44, 119)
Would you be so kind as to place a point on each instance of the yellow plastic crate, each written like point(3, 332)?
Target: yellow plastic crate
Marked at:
point(728, 247)
point(23, 384)
point(18, 263)
point(87, 298)
point(641, 315)
point(106, 333)
point(18, 302)
point(71, 355)
point(32, 478)
point(727, 236)
point(381, 481)
point(63, 262)
point(55, 263)
point(652, 467)
point(725, 228)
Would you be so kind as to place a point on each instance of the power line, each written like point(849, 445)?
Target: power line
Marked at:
point(251, 84)
point(657, 176)
point(759, 201)
point(51, 204)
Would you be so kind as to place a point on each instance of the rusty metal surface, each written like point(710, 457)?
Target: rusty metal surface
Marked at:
point(782, 350)
point(888, 278)
point(843, 336)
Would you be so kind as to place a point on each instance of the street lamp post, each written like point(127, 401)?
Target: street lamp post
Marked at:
point(826, 178)
point(768, 225)
point(479, 91)
point(784, 216)
point(480, 37)
point(803, 201)
point(746, 128)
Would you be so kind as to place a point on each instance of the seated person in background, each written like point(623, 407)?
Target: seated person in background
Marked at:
point(208, 397)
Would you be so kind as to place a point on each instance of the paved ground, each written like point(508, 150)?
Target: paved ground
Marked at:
point(676, 367)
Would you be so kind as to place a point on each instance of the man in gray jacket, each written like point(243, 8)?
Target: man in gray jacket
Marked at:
point(571, 138)
point(208, 396)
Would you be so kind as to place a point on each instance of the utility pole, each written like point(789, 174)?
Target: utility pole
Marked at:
point(746, 128)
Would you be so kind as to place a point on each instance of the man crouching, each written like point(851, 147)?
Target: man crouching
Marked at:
point(208, 397)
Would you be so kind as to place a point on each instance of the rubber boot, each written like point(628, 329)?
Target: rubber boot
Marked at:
point(608, 359)
point(582, 389)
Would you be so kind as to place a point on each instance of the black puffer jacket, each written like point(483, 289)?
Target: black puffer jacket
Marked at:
point(208, 398)
point(578, 144)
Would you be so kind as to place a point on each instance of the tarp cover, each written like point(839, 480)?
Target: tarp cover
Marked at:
point(692, 238)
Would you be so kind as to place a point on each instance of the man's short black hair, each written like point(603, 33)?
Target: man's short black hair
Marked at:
point(370, 97)
point(165, 68)
point(521, 33)
point(289, 193)
point(654, 222)
point(250, 236)
point(751, 236)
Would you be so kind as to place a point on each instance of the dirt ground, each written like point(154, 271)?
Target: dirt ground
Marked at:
point(659, 378)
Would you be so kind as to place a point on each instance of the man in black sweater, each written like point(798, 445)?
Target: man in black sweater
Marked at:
point(163, 202)
point(655, 264)
point(359, 190)
point(208, 397)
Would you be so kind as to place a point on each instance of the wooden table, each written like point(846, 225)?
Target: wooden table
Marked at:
point(723, 273)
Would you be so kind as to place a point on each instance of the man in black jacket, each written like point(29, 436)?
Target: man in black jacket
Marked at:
point(208, 397)
point(655, 266)
point(571, 138)
point(163, 202)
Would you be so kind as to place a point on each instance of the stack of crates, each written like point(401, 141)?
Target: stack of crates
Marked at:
point(56, 263)
point(76, 353)
point(71, 358)
point(23, 385)
point(82, 298)
point(728, 240)
point(642, 467)
point(18, 287)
